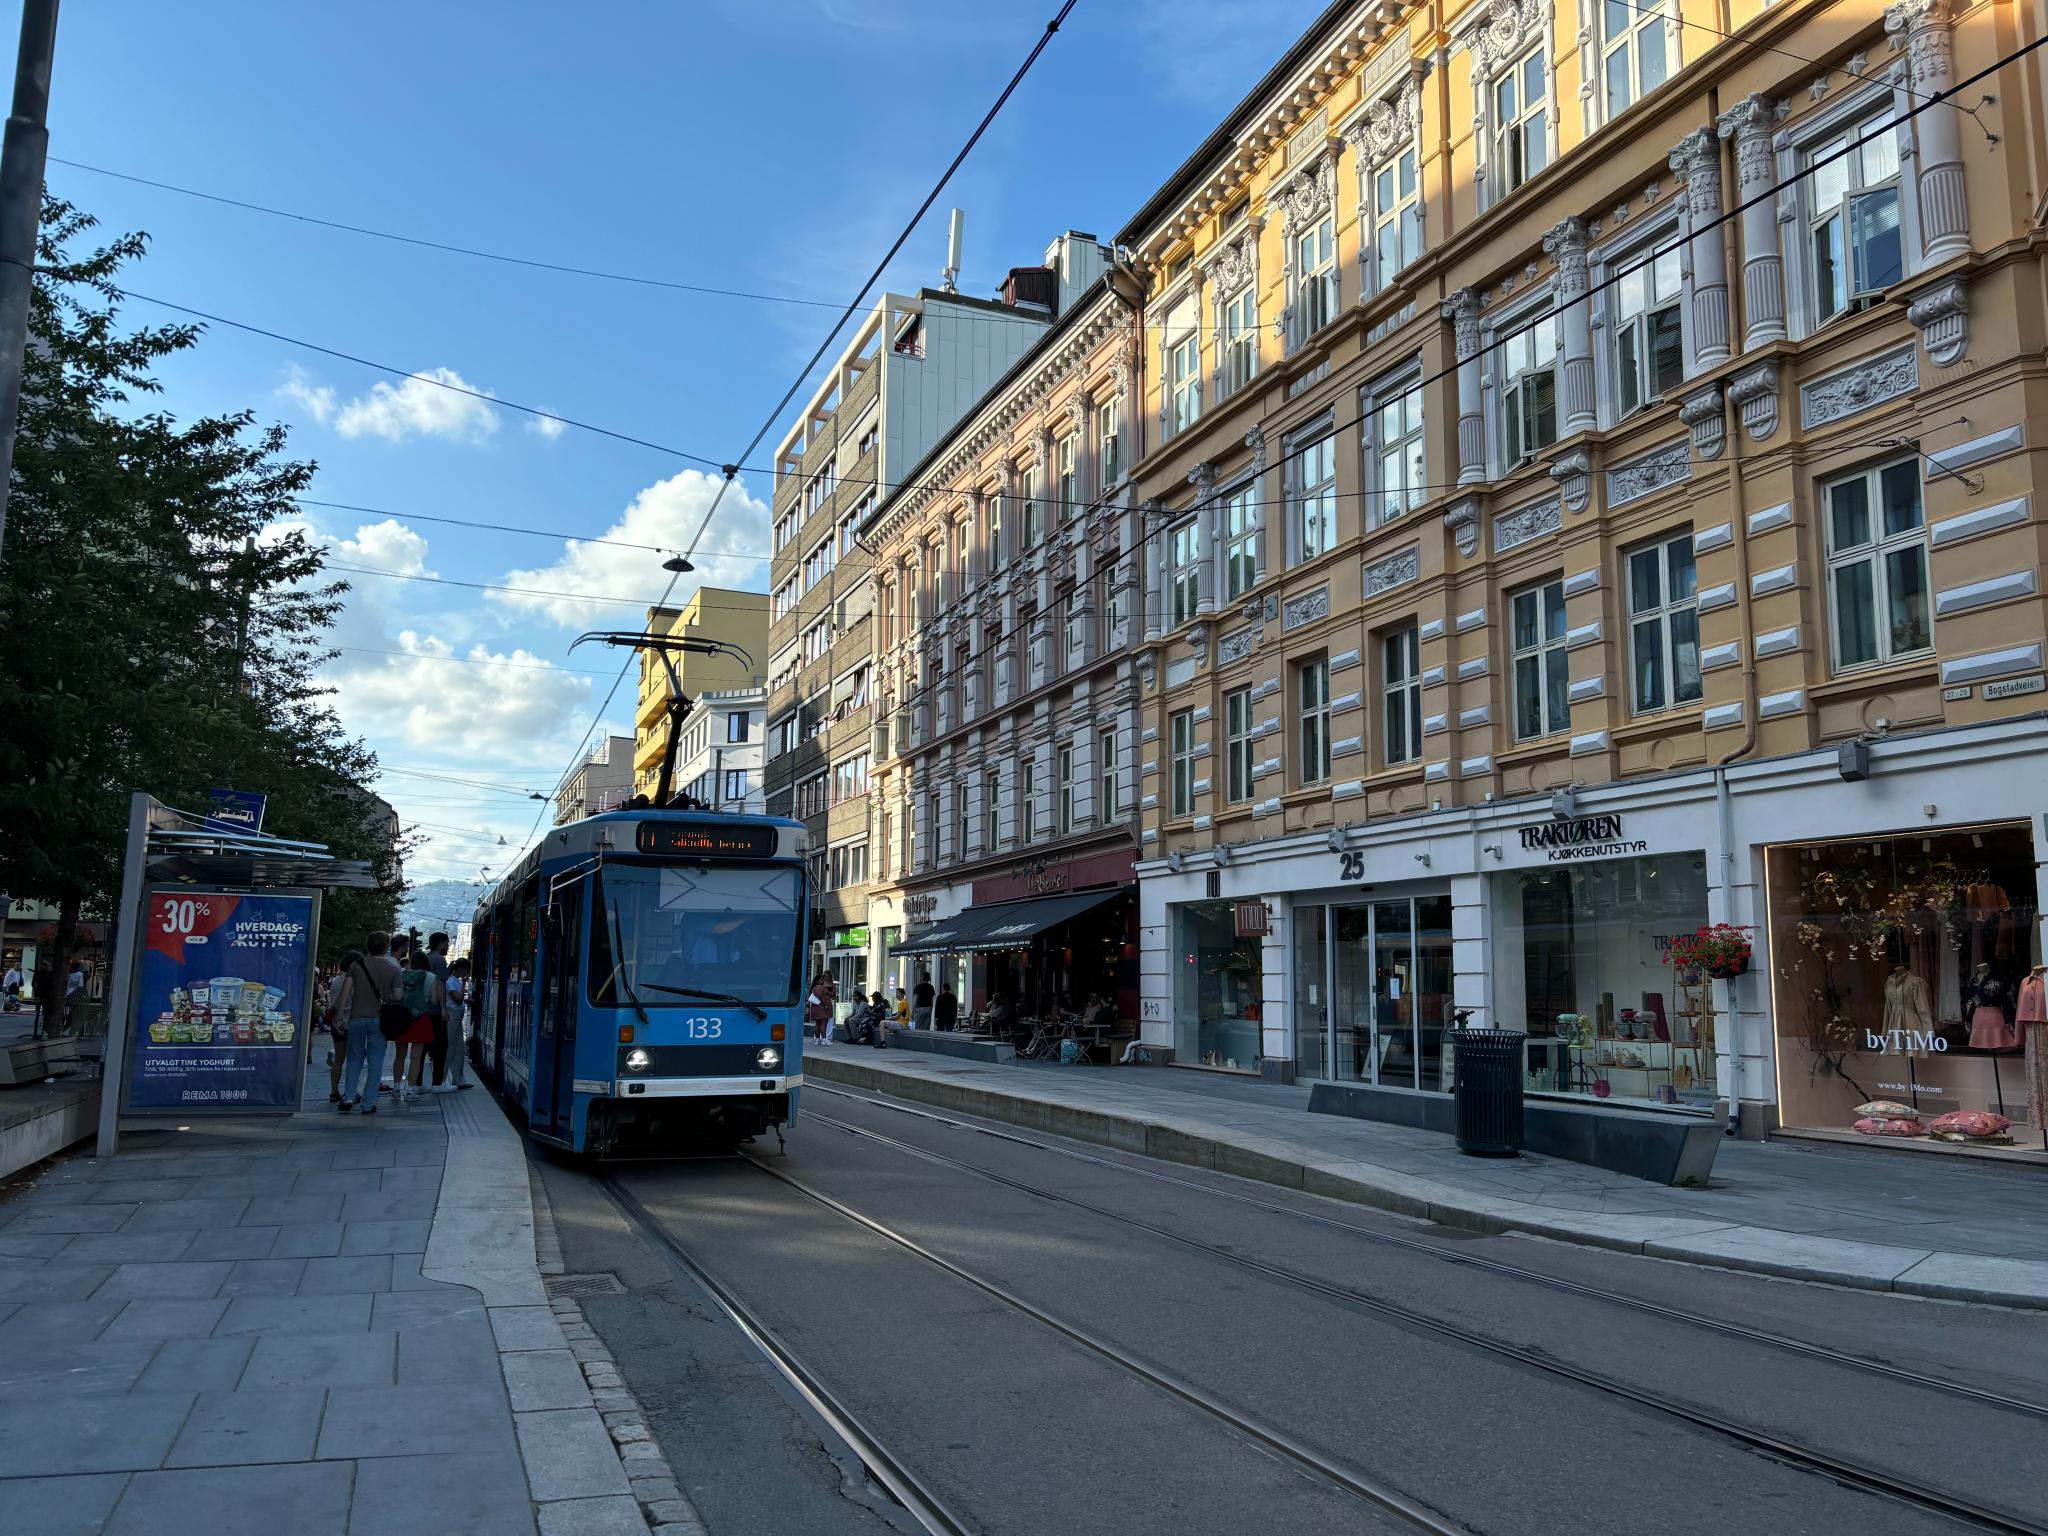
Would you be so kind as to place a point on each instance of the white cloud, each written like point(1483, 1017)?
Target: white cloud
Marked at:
point(507, 711)
point(666, 514)
point(318, 399)
point(389, 546)
point(549, 427)
point(420, 407)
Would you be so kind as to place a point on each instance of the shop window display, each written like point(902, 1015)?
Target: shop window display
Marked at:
point(1372, 991)
point(1908, 987)
point(1584, 969)
point(1218, 988)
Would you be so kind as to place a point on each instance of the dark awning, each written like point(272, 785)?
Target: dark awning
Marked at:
point(1013, 925)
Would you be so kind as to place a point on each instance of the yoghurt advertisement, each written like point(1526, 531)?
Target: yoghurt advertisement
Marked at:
point(221, 1011)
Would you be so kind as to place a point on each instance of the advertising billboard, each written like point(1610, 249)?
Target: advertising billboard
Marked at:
point(223, 1001)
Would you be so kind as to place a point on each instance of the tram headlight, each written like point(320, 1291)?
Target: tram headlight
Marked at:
point(767, 1059)
point(638, 1061)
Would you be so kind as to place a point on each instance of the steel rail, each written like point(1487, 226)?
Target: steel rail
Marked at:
point(1849, 1473)
point(1383, 1497)
point(903, 1485)
point(1490, 1266)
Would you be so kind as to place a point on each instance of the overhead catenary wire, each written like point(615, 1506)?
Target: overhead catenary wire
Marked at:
point(768, 423)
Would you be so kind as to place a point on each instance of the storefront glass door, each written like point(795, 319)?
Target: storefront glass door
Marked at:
point(1388, 967)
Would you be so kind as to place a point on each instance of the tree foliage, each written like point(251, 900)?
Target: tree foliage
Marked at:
point(160, 620)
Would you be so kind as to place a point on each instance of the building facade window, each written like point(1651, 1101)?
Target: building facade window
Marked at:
point(960, 812)
point(735, 788)
point(1315, 278)
point(1878, 604)
point(1063, 768)
point(1521, 125)
point(817, 564)
point(1181, 763)
point(1066, 461)
point(1528, 395)
point(1664, 624)
point(1109, 442)
point(1536, 634)
point(1634, 57)
point(1312, 696)
point(1184, 554)
point(991, 809)
point(1184, 368)
point(1105, 757)
point(1075, 628)
point(785, 598)
point(738, 725)
point(849, 865)
point(1396, 214)
point(1313, 477)
point(1853, 218)
point(994, 553)
point(785, 734)
point(1394, 471)
point(1034, 510)
point(812, 795)
point(1240, 541)
point(1027, 801)
point(786, 528)
point(1649, 332)
point(1401, 696)
point(1240, 339)
point(1237, 745)
point(850, 778)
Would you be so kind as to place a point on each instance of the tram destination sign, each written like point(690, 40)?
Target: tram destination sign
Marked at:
point(1581, 837)
point(701, 839)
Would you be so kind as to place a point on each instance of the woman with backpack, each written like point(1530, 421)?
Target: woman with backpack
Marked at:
point(369, 986)
point(424, 998)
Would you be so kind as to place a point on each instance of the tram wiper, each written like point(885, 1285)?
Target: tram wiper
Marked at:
point(715, 997)
point(619, 967)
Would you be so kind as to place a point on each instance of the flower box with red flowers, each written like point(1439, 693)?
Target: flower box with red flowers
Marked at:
point(1720, 949)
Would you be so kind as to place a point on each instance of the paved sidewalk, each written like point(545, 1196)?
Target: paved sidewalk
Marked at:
point(314, 1324)
point(1923, 1225)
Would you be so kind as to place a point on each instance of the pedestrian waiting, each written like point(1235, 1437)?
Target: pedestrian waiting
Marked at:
point(368, 986)
point(424, 999)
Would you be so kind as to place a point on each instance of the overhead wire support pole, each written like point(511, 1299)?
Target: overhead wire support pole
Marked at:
point(22, 157)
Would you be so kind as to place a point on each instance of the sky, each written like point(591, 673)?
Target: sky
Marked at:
point(768, 146)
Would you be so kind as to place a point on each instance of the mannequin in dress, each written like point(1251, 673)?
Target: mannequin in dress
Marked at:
point(1991, 1025)
point(2032, 1017)
point(1906, 1003)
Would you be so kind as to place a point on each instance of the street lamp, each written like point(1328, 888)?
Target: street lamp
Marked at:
point(678, 564)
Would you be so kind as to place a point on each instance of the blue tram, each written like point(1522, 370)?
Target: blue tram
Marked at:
point(639, 980)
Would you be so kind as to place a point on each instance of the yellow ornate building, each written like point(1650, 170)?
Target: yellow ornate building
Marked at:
point(713, 613)
point(1586, 470)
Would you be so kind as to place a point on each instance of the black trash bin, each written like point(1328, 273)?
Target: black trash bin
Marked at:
point(1488, 1091)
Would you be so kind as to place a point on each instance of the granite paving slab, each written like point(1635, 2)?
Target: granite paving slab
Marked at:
point(59, 1506)
point(302, 1498)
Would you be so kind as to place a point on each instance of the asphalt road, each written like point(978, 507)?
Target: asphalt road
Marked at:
point(1022, 1430)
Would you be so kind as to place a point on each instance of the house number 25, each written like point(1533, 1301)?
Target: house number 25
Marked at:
point(1350, 866)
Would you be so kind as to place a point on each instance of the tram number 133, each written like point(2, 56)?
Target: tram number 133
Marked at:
point(703, 1028)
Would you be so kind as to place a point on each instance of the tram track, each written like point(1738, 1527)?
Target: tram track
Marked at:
point(1845, 1472)
point(1474, 1262)
point(898, 1478)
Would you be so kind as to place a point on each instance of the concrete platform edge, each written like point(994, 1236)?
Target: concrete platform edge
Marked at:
point(1755, 1250)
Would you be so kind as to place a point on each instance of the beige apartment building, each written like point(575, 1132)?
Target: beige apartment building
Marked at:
point(712, 613)
point(913, 365)
point(1587, 496)
point(1004, 785)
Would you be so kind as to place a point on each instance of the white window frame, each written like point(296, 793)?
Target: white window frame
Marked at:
point(1312, 699)
point(1180, 734)
point(1239, 364)
point(1605, 264)
point(1184, 379)
point(1400, 659)
point(1063, 779)
point(1105, 752)
point(1666, 614)
point(1507, 142)
point(1238, 512)
point(1876, 551)
point(1385, 500)
point(1109, 443)
point(1184, 571)
point(1032, 513)
point(1239, 730)
point(1794, 146)
point(1497, 343)
point(1628, 43)
point(991, 809)
point(1027, 800)
point(1075, 626)
point(736, 796)
point(960, 819)
point(1540, 660)
point(1067, 468)
point(1318, 291)
point(1311, 510)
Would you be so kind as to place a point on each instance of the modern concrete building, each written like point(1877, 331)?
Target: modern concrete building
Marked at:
point(602, 783)
point(719, 762)
point(714, 613)
point(912, 369)
point(1589, 497)
point(1004, 783)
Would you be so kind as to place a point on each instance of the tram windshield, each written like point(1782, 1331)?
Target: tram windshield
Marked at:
point(721, 929)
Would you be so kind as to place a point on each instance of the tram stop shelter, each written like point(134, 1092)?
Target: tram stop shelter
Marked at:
point(211, 993)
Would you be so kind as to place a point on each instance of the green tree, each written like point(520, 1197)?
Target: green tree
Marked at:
point(160, 622)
